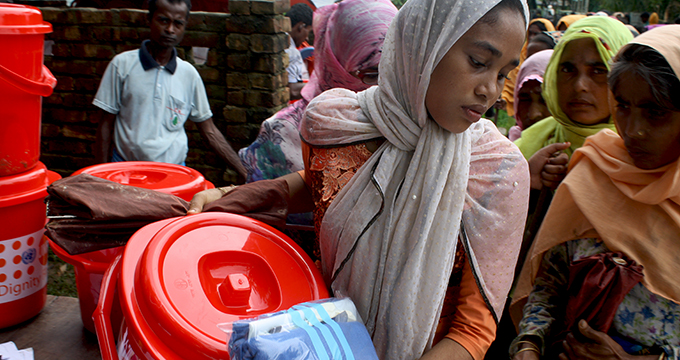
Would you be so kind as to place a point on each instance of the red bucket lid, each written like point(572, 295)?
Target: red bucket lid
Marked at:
point(182, 279)
point(167, 178)
point(22, 20)
point(25, 186)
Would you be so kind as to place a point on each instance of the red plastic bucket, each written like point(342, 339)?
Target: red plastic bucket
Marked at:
point(23, 81)
point(175, 281)
point(177, 180)
point(89, 268)
point(23, 249)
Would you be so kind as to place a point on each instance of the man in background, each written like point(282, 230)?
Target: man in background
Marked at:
point(150, 93)
point(301, 16)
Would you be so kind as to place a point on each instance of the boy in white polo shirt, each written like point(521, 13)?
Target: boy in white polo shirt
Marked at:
point(150, 93)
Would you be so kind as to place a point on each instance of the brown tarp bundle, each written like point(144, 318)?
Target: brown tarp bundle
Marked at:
point(88, 213)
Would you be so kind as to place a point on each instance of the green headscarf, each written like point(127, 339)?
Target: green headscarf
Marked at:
point(609, 36)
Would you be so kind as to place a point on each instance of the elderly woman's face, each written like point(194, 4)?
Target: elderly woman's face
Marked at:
point(650, 133)
point(582, 89)
point(531, 107)
point(470, 77)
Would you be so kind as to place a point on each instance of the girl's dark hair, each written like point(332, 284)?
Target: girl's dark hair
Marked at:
point(540, 25)
point(491, 17)
point(544, 38)
point(652, 67)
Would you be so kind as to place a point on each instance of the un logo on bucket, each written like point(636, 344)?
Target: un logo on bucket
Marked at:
point(28, 256)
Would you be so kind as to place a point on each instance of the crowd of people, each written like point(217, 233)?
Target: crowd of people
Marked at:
point(435, 224)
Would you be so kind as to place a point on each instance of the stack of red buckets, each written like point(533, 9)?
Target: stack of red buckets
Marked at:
point(24, 80)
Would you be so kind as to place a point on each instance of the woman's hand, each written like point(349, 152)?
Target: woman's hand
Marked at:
point(599, 347)
point(201, 199)
point(527, 355)
point(548, 166)
point(530, 354)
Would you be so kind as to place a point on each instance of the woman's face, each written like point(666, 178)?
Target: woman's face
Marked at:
point(651, 133)
point(534, 30)
point(470, 77)
point(536, 46)
point(582, 83)
point(531, 107)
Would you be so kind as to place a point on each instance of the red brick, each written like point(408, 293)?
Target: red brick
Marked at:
point(65, 165)
point(92, 16)
point(269, 7)
point(61, 50)
point(48, 130)
point(235, 114)
point(236, 80)
point(239, 7)
point(238, 42)
point(199, 38)
point(72, 67)
point(126, 47)
point(238, 61)
point(265, 81)
point(258, 114)
point(209, 74)
point(64, 116)
point(215, 58)
point(54, 99)
point(92, 51)
point(65, 83)
point(133, 17)
point(269, 63)
point(276, 24)
point(218, 92)
point(243, 24)
point(236, 98)
point(86, 84)
point(266, 43)
point(79, 132)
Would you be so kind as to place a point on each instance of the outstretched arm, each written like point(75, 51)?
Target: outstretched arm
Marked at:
point(219, 144)
point(104, 144)
point(300, 200)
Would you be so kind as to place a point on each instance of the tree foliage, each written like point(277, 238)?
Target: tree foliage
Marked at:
point(658, 6)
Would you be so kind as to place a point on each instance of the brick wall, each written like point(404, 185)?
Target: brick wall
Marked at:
point(244, 76)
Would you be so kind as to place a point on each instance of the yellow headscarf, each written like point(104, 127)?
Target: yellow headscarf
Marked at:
point(653, 19)
point(609, 36)
point(508, 93)
point(569, 19)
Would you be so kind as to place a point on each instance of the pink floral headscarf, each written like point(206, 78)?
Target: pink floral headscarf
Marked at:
point(349, 37)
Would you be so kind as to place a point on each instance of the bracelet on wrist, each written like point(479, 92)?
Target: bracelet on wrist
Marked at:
point(528, 348)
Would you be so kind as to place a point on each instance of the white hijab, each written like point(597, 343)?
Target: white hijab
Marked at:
point(423, 181)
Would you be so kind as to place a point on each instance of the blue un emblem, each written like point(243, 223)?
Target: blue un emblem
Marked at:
point(28, 256)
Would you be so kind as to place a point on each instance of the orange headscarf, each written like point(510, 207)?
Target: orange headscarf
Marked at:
point(508, 93)
point(569, 19)
point(631, 210)
point(653, 19)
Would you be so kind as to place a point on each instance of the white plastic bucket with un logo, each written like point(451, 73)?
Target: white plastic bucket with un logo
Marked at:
point(23, 249)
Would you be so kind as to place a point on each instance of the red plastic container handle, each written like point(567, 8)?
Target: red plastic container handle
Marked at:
point(44, 87)
point(102, 314)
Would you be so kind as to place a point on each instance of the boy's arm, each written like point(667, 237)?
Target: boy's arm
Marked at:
point(104, 145)
point(219, 144)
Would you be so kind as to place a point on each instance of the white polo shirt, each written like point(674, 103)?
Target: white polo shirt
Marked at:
point(297, 70)
point(152, 103)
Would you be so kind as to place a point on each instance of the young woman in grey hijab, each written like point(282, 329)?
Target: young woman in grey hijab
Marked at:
point(390, 238)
